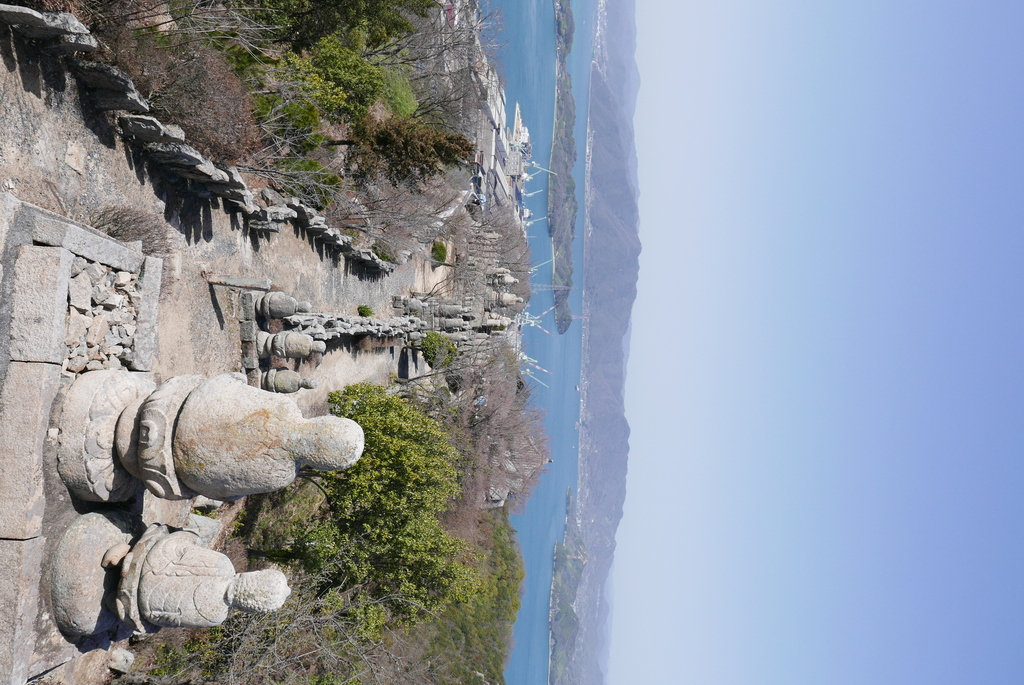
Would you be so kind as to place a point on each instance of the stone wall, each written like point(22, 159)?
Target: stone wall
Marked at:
point(38, 262)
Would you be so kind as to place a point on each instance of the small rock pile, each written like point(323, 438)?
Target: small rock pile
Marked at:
point(102, 310)
point(330, 326)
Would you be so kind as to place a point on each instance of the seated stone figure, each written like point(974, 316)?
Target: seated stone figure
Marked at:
point(183, 584)
point(166, 578)
point(233, 439)
point(217, 437)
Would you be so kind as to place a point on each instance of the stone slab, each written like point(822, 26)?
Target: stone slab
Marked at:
point(88, 243)
point(72, 43)
point(99, 75)
point(55, 24)
point(112, 100)
point(239, 282)
point(25, 402)
point(150, 129)
point(21, 16)
point(39, 304)
point(247, 330)
point(21, 564)
point(146, 319)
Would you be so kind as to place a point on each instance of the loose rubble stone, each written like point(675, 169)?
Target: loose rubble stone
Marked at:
point(96, 273)
point(97, 331)
point(80, 291)
point(77, 326)
point(121, 660)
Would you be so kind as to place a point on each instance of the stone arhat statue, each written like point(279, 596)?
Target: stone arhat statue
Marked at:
point(105, 572)
point(216, 437)
point(170, 579)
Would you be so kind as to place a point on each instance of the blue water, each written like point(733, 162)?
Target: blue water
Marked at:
point(528, 66)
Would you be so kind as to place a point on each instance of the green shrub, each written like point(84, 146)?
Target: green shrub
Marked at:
point(338, 79)
point(383, 541)
point(364, 310)
point(304, 22)
point(296, 121)
point(439, 251)
point(438, 351)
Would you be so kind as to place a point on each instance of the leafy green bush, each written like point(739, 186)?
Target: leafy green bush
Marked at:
point(364, 310)
point(438, 351)
point(474, 636)
point(383, 540)
point(338, 79)
point(439, 251)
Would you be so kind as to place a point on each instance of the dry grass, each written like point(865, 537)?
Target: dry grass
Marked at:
point(129, 224)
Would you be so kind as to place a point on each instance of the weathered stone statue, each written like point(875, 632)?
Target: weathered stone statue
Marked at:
point(284, 380)
point(217, 437)
point(170, 579)
point(288, 344)
point(104, 572)
point(85, 450)
point(233, 439)
point(277, 305)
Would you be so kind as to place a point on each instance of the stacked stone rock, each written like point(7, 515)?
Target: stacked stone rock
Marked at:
point(450, 318)
point(332, 326)
point(102, 318)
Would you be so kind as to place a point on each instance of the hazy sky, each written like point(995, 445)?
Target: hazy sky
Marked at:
point(826, 477)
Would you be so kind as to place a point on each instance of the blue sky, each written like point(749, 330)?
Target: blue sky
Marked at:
point(826, 477)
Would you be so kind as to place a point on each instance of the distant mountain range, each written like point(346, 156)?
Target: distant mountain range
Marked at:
point(611, 266)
